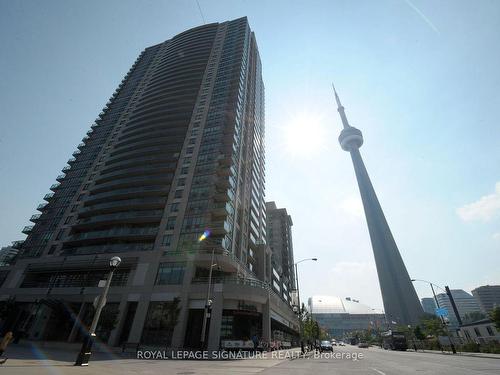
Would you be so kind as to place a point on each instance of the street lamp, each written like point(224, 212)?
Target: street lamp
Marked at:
point(85, 352)
point(208, 304)
point(432, 285)
point(298, 300)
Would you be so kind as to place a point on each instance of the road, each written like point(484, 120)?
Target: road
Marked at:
point(33, 358)
point(376, 361)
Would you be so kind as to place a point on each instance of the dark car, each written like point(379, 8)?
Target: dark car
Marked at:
point(326, 346)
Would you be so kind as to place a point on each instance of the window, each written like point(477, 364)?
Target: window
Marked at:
point(68, 219)
point(490, 331)
point(171, 223)
point(476, 331)
point(167, 239)
point(174, 207)
point(52, 249)
point(178, 194)
point(185, 170)
point(170, 273)
point(181, 182)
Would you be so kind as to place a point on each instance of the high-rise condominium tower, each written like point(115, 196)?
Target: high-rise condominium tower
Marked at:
point(177, 151)
point(279, 239)
point(401, 302)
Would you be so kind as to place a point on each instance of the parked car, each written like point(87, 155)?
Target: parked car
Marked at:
point(334, 342)
point(363, 345)
point(341, 343)
point(326, 346)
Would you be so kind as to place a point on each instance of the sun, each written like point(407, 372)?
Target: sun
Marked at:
point(304, 135)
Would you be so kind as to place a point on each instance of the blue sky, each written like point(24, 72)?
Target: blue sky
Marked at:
point(420, 79)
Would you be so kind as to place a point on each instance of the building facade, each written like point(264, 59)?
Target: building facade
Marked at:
point(429, 305)
point(339, 317)
point(465, 303)
point(177, 151)
point(481, 332)
point(279, 239)
point(488, 297)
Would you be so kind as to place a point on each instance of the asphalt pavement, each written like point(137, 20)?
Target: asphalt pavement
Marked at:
point(33, 358)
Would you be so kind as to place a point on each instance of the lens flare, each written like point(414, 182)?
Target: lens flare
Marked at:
point(204, 236)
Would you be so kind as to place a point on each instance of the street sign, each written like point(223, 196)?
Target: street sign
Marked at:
point(442, 311)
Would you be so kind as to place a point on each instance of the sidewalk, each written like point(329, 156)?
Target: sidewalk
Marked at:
point(58, 359)
point(463, 354)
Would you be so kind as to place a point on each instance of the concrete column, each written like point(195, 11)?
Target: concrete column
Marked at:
point(115, 333)
point(138, 323)
point(215, 322)
point(180, 329)
point(77, 324)
point(266, 321)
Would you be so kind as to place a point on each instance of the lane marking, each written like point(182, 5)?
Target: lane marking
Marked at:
point(380, 372)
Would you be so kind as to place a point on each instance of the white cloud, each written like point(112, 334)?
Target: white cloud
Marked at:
point(496, 236)
point(485, 209)
point(358, 280)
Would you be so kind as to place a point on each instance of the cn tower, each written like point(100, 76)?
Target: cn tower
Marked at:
point(401, 303)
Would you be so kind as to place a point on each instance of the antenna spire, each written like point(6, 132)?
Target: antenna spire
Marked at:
point(340, 109)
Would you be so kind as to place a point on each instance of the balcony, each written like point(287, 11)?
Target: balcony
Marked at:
point(255, 283)
point(17, 244)
point(129, 233)
point(71, 160)
point(54, 186)
point(48, 196)
point(60, 177)
point(66, 168)
point(221, 209)
point(41, 206)
point(81, 145)
point(77, 152)
point(220, 227)
point(34, 218)
point(113, 206)
point(223, 196)
point(27, 229)
point(148, 216)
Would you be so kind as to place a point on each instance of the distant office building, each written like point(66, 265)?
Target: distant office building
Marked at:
point(177, 151)
point(279, 239)
point(488, 297)
point(465, 302)
point(429, 305)
point(340, 316)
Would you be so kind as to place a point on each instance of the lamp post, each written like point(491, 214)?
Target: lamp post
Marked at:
point(298, 299)
point(432, 285)
point(208, 305)
point(85, 352)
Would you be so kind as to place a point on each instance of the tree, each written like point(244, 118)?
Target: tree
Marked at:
point(495, 317)
point(418, 333)
point(433, 327)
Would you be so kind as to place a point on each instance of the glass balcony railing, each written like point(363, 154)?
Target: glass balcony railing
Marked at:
point(48, 196)
point(41, 206)
point(254, 283)
point(114, 232)
point(35, 217)
point(60, 177)
point(27, 229)
point(54, 186)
